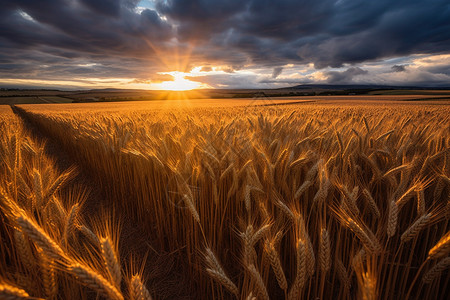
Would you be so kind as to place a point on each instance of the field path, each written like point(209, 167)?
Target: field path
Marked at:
point(167, 280)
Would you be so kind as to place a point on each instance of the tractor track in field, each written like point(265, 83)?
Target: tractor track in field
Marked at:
point(166, 280)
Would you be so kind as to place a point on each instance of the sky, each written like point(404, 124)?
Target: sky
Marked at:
point(184, 44)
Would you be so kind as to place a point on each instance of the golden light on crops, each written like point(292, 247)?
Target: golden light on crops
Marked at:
point(292, 196)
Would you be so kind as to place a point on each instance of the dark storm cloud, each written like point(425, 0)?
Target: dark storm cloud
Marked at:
point(277, 71)
point(346, 76)
point(99, 31)
point(398, 68)
point(327, 32)
point(232, 33)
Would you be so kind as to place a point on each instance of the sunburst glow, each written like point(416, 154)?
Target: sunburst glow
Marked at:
point(179, 83)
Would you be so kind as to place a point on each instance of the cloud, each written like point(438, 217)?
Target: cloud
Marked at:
point(157, 78)
point(327, 33)
point(206, 69)
point(126, 39)
point(347, 76)
point(398, 68)
point(277, 71)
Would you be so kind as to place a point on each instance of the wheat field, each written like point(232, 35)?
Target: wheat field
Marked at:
point(338, 200)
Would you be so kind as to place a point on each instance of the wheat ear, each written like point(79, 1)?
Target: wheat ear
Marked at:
point(251, 297)
point(324, 251)
point(285, 209)
point(95, 281)
point(71, 223)
point(302, 189)
point(190, 204)
point(415, 228)
point(49, 276)
point(440, 185)
point(58, 210)
point(367, 238)
point(90, 235)
point(260, 233)
point(442, 247)
point(111, 261)
point(275, 262)
point(249, 251)
point(216, 271)
point(436, 270)
point(138, 291)
point(9, 292)
point(322, 193)
point(368, 286)
point(392, 219)
point(57, 184)
point(24, 249)
point(36, 234)
point(421, 202)
point(300, 278)
point(261, 289)
point(342, 274)
point(38, 192)
point(372, 204)
point(405, 197)
point(24, 185)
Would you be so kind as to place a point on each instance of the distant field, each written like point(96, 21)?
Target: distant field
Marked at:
point(196, 103)
point(40, 96)
point(410, 92)
point(34, 100)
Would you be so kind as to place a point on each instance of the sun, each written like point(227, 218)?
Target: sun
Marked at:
point(179, 83)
